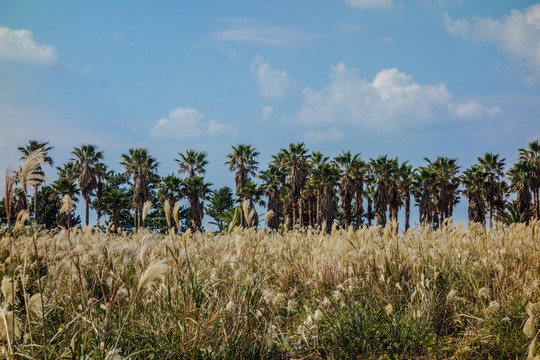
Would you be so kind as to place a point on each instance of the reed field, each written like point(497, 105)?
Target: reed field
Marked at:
point(457, 292)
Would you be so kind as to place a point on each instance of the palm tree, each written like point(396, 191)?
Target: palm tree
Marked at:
point(446, 186)
point(359, 170)
point(369, 193)
point(26, 150)
point(521, 175)
point(406, 177)
point(348, 164)
point(326, 177)
point(473, 181)
point(142, 167)
point(86, 160)
point(67, 170)
point(316, 161)
point(493, 170)
point(102, 173)
point(381, 170)
point(196, 190)
point(273, 182)
point(295, 159)
point(192, 163)
point(62, 187)
point(532, 155)
point(243, 161)
point(423, 189)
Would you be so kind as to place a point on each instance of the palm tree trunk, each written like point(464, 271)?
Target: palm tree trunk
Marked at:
point(87, 210)
point(358, 206)
point(407, 208)
point(369, 211)
point(99, 196)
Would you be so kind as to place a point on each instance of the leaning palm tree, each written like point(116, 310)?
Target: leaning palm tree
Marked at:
point(196, 191)
point(142, 167)
point(532, 155)
point(192, 162)
point(473, 181)
point(521, 175)
point(26, 150)
point(493, 170)
point(86, 159)
point(242, 160)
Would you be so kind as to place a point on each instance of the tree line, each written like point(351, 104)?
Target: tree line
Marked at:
point(299, 187)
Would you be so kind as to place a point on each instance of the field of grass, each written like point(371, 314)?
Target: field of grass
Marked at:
point(457, 292)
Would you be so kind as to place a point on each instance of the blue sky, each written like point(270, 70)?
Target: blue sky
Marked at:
point(406, 78)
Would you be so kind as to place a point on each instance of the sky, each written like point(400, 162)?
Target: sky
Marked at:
point(413, 79)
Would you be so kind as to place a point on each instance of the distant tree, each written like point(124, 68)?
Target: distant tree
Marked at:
point(220, 204)
point(116, 201)
point(142, 167)
point(86, 159)
point(61, 187)
point(192, 163)
point(196, 191)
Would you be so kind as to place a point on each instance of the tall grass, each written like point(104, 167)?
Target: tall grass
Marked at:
point(457, 292)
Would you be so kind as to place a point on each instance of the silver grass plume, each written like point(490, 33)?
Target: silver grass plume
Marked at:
point(35, 306)
point(9, 289)
point(67, 205)
point(245, 210)
point(252, 216)
point(28, 174)
point(146, 207)
point(231, 225)
point(10, 325)
point(269, 215)
point(167, 208)
point(176, 210)
point(155, 271)
point(21, 219)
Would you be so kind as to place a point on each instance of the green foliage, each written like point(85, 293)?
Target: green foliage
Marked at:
point(219, 207)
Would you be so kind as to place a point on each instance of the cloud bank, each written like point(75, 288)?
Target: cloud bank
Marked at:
point(272, 83)
point(392, 100)
point(189, 123)
point(20, 45)
point(517, 35)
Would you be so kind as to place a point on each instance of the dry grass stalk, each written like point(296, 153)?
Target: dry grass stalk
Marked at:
point(167, 209)
point(9, 193)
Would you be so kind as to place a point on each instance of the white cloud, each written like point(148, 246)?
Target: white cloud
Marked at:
point(332, 134)
point(272, 83)
point(189, 123)
point(256, 31)
point(370, 3)
point(267, 111)
point(20, 45)
point(392, 100)
point(517, 35)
